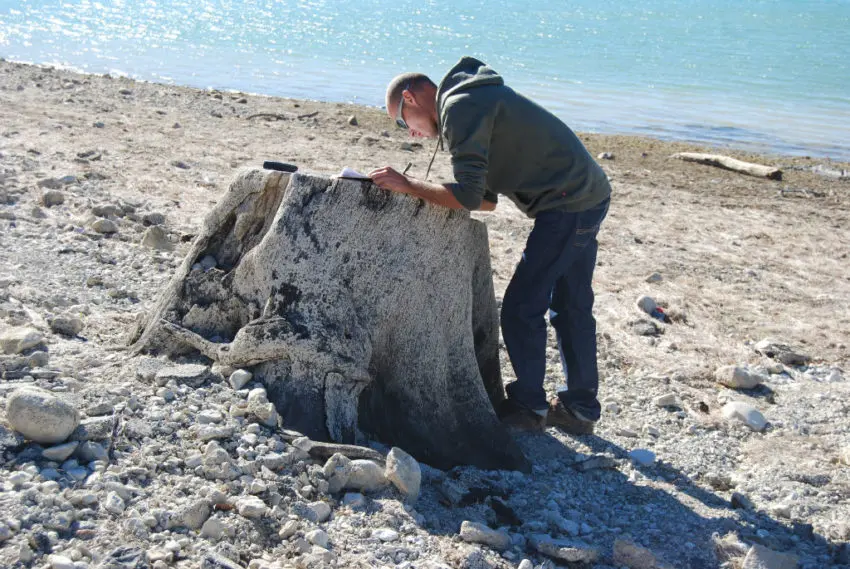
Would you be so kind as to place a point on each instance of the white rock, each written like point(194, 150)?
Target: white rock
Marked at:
point(337, 471)
point(365, 476)
point(472, 532)
point(155, 237)
point(746, 413)
point(90, 451)
point(17, 340)
point(60, 453)
point(288, 530)
point(60, 562)
point(193, 375)
point(385, 534)
point(209, 416)
point(215, 528)
point(739, 377)
point(239, 378)
point(353, 500)
point(251, 507)
point(321, 511)
point(646, 304)
point(41, 416)
point(571, 551)
point(114, 503)
point(760, 557)
point(525, 564)
point(5, 532)
point(191, 516)
point(666, 400)
point(404, 472)
point(318, 537)
point(106, 226)
point(642, 456)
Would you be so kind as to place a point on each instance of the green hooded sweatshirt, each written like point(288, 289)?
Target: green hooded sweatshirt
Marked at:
point(503, 143)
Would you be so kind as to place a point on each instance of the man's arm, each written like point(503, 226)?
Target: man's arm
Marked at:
point(438, 194)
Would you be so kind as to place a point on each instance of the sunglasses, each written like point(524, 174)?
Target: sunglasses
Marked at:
point(399, 120)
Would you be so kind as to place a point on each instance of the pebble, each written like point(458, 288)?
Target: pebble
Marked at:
point(114, 503)
point(52, 198)
point(642, 456)
point(90, 451)
point(353, 500)
point(318, 537)
point(473, 532)
point(17, 340)
point(288, 530)
point(365, 476)
point(571, 551)
point(352, 120)
point(156, 238)
point(153, 218)
point(321, 511)
point(60, 453)
point(65, 326)
point(337, 471)
point(596, 462)
point(605, 156)
point(40, 416)
point(60, 562)
point(251, 507)
point(740, 501)
point(94, 429)
point(738, 377)
point(652, 431)
point(192, 375)
point(666, 400)
point(628, 554)
point(215, 528)
point(404, 472)
point(646, 304)
point(782, 352)
point(105, 226)
point(239, 378)
point(191, 516)
point(525, 564)
point(654, 278)
point(760, 557)
point(746, 413)
point(385, 534)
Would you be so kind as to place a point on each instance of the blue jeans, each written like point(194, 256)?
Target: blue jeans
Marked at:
point(555, 274)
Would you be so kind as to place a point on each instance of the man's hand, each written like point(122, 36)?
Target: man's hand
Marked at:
point(389, 179)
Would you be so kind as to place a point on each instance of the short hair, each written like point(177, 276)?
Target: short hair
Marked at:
point(404, 81)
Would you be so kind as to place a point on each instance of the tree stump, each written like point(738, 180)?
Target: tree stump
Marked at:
point(367, 315)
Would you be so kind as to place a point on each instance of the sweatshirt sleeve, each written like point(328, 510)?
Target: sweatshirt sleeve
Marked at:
point(467, 129)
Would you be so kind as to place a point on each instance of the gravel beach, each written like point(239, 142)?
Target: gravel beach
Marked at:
point(724, 441)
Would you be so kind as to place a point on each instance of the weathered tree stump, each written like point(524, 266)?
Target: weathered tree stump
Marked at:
point(367, 314)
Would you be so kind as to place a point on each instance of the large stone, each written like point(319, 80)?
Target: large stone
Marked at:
point(192, 375)
point(251, 507)
point(60, 453)
point(745, 413)
point(365, 476)
point(51, 198)
point(40, 416)
point(472, 532)
point(67, 326)
point(569, 550)
point(94, 429)
point(17, 340)
point(326, 290)
point(404, 472)
point(760, 557)
point(738, 377)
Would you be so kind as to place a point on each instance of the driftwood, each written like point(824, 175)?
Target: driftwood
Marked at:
point(368, 315)
point(733, 164)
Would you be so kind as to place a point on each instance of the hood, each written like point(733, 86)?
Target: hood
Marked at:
point(466, 74)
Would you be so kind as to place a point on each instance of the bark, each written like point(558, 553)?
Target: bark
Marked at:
point(367, 314)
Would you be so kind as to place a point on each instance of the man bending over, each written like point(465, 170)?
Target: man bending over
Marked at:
point(502, 143)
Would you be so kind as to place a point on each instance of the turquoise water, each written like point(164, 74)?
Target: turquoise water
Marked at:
point(763, 75)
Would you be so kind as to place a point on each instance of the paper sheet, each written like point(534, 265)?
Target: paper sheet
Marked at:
point(351, 173)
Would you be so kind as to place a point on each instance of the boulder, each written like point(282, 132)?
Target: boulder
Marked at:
point(41, 416)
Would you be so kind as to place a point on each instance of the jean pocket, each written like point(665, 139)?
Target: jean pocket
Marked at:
point(589, 222)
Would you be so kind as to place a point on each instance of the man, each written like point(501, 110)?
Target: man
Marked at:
point(503, 143)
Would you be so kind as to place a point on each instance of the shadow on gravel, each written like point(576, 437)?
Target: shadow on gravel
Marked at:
point(662, 509)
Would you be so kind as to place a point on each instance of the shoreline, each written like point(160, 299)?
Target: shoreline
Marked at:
point(666, 133)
